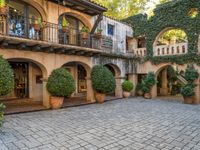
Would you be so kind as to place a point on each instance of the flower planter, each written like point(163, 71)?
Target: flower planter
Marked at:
point(98, 35)
point(56, 102)
point(126, 94)
point(189, 100)
point(84, 35)
point(100, 97)
point(4, 10)
point(65, 29)
point(36, 27)
point(147, 95)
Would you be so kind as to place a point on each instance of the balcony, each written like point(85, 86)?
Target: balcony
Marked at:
point(172, 49)
point(51, 37)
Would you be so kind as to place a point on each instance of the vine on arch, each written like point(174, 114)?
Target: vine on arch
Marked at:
point(175, 14)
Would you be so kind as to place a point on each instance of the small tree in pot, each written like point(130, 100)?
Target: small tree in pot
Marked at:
point(148, 82)
point(60, 84)
point(85, 32)
point(188, 93)
point(6, 82)
point(3, 8)
point(127, 87)
point(65, 25)
point(103, 82)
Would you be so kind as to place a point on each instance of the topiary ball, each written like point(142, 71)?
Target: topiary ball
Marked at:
point(127, 86)
point(61, 83)
point(103, 80)
point(6, 77)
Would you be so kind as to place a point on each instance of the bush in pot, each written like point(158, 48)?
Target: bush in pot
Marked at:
point(127, 87)
point(3, 8)
point(60, 84)
point(147, 84)
point(65, 25)
point(191, 74)
point(6, 82)
point(188, 93)
point(85, 32)
point(103, 82)
point(139, 90)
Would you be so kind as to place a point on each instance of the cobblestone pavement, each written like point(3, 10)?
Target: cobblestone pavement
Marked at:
point(131, 124)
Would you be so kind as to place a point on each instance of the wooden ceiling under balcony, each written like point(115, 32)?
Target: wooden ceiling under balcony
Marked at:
point(85, 6)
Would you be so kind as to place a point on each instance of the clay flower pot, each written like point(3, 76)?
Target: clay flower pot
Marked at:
point(188, 100)
point(98, 35)
point(100, 97)
point(147, 95)
point(36, 27)
point(126, 94)
point(84, 35)
point(3, 10)
point(65, 29)
point(56, 102)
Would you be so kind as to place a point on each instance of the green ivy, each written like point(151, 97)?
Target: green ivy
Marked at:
point(173, 14)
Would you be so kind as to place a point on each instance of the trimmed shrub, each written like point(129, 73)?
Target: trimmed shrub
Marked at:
point(149, 80)
point(103, 80)
point(191, 74)
point(127, 86)
point(6, 77)
point(187, 90)
point(2, 107)
point(145, 88)
point(60, 83)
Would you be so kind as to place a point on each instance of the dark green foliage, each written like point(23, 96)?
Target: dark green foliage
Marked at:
point(60, 83)
point(145, 88)
point(2, 107)
point(6, 77)
point(191, 74)
point(149, 80)
point(127, 86)
point(187, 90)
point(174, 14)
point(103, 80)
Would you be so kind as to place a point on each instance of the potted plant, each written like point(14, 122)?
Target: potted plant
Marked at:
point(191, 74)
point(139, 90)
point(127, 87)
point(148, 82)
point(60, 84)
point(6, 82)
point(3, 8)
point(65, 25)
point(103, 82)
point(98, 33)
point(85, 32)
point(188, 93)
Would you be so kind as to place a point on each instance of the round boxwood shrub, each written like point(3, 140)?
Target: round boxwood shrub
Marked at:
point(127, 86)
point(191, 74)
point(187, 90)
point(6, 77)
point(103, 80)
point(60, 83)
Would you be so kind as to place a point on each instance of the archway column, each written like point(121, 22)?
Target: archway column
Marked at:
point(197, 92)
point(90, 92)
point(46, 95)
point(134, 79)
point(164, 89)
point(118, 89)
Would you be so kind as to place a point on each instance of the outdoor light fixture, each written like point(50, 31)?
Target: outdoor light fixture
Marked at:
point(64, 2)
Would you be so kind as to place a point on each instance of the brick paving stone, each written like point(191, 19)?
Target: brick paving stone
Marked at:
point(133, 124)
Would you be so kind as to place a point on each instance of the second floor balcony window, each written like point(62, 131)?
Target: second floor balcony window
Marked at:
point(24, 20)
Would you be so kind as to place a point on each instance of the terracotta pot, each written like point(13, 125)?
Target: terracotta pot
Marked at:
point(126, 94)
point(36, 27)
point(98, 35)
point(84, 35)
point(147, 95)
point(56, 102)
point(188, 100)
point(100, 97)
point(65, 29)
point(3, 10)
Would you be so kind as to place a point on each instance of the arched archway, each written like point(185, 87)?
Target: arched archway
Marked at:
point(81, 74)
point(169, 82)
point(117, 74)
point(30, 85)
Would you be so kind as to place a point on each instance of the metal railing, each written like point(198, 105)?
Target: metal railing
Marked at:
point(52, 33)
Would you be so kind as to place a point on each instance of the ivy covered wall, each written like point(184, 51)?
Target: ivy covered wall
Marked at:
point(173, 14)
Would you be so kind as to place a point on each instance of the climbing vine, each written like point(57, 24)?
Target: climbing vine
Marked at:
point(175, 14)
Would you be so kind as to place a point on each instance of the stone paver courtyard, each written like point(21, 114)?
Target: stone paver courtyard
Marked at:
point(122, 124)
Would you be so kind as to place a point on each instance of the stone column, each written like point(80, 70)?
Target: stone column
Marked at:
point(164, 88)
point(46, 95)
point(118, 89)
point(90, 92)
point(197, 92)
point(134, 79)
